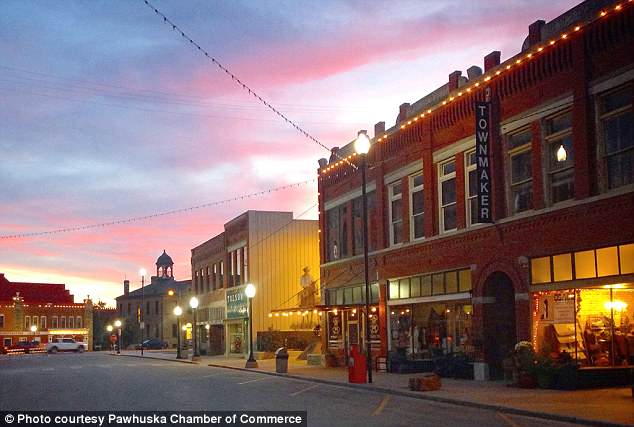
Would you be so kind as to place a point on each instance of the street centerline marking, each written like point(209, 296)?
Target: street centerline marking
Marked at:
point(252, 381)
point(381, 406)
point(305, 389)
point(508, 420)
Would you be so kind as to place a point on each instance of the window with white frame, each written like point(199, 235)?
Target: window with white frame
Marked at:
point(520, 171)
point(71, 322)
point(78, 322)
point(245, 264)
point(558, 148)
point(617, 134)
point(27, 323)
point(214, 281)
point(447, 195)
point(396, 212)
point(1, 320)
point(35, 321)
point(54, 322)
point(417, 207)
point(7, 342)
point(62, 322)
point(43, 322)
point(471, 187)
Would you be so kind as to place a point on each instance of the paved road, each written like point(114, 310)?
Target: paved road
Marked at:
point(98, 381)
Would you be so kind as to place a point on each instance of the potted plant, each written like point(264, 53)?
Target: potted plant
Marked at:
point(524, 361)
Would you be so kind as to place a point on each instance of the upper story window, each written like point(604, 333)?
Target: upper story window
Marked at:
point(221, 269)
point(245, 264)
point(156, 307)
point(471, 187)
point(43, 322)
point(1, 320)
point(27, 322)
point(520, 171)
point(54, 322)
point(558, 148)
point(337, 223)
point(357, 223)
point(417, 207)
point(617, 134)
point(396, 213)
point(214, 279)
point(447, 195)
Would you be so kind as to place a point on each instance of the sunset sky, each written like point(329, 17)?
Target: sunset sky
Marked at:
point(106, 113)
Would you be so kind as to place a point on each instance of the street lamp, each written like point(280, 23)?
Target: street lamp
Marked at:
point(109, 328)
point(177, 312)
point(250, 293)
point(362, 146)
point(34, 330)
point(117, 324)
point(142, 273)
point(193, 303)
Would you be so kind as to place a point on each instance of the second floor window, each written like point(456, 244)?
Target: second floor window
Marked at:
point(558, 145)
point(156, 307)
point(471, 173)
point(520, 171)
point(617, 133)
point(54, 322)
point(43, 322)
point(447, 190)
point(417, 207)
point(396, 213)
point(337, 223)
point(1, 320)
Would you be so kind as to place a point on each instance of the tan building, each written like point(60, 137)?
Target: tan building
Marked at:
point(270, 250)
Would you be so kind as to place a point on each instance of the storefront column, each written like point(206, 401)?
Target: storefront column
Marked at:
point(383, 316)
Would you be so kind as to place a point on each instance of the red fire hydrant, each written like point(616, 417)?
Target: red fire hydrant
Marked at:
point(356, 366)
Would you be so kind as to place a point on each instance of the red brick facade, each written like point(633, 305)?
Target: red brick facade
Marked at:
point(591, 56)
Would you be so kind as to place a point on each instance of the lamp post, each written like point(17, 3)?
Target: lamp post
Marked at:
point(117, 324)
point(177, 312)
point(142, 273)
point(362, 146)
point(34, 330)
point(193, 303)
point(109, 328)
point(250, 293)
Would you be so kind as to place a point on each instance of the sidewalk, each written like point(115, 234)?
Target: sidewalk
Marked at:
point(595, 407)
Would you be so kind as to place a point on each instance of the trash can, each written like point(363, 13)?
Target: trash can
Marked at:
point(281, 360)
point(356, 366)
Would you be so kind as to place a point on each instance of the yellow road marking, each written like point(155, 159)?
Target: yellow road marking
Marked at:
point(508, 420)
point(381, 406)
point(305, 389)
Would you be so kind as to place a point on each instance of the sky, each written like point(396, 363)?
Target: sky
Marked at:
point(107, 113)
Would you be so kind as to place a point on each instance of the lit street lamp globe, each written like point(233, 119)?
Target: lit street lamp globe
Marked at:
point(193, 303)
point(178, 311)
point(362, 143)
point(109, 328)
point(117, 323)
point(250, 290)
point(207, 326)
point(33, 328)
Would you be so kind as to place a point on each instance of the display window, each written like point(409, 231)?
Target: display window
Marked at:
point(237, 343)
point(594, 325)
point(427, 330)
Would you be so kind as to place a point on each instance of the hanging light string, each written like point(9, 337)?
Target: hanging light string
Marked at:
point(498, 72)
point(157, 214)
point(235, 79)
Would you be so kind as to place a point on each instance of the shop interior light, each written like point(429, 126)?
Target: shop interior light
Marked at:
point(616, 305)
point(373, 309)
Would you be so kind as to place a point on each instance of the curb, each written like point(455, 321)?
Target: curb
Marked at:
point(386, 390)
point(156, 358)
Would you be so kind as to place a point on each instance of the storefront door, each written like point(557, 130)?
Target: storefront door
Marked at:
point(500, 335)
point(352, 337)
point(216, 339)
point(236, 340)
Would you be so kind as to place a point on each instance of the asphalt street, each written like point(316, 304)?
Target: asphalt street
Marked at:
point(99, 381)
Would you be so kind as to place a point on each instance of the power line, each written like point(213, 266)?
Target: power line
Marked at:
point(234, 78)
point(154, 215)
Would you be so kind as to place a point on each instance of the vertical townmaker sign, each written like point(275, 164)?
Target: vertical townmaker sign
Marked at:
point(483, 151)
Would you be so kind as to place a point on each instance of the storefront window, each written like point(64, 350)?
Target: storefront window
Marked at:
point(429, 330)
point(236, 338)
point(592, 325)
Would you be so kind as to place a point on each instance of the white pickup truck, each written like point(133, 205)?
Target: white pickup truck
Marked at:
point(66, 344)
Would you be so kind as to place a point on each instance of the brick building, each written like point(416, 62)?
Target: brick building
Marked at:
point(157, 300)
point(268, 249)
point(556, 265)
point(47, 306)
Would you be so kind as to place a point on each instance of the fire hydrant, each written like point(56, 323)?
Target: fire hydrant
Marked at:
point(356, 366)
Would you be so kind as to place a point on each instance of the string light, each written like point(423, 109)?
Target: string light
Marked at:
point(498, 72)
point(156, 215)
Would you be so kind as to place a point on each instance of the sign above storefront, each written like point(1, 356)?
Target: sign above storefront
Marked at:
point(236, 303)
point(483, 149)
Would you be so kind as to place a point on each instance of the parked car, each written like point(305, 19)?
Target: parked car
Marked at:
point(152, 344)
point(24, 346)
point(66, 344)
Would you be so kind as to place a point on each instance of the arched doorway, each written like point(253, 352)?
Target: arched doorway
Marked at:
point(500, 334)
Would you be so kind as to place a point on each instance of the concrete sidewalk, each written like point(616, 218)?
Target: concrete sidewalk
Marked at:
point(613, 406)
